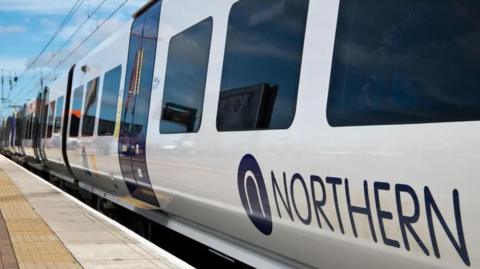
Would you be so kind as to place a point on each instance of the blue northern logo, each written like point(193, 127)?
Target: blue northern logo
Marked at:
point(253, 194)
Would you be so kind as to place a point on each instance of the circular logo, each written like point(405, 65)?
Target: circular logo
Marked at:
point(253, 194)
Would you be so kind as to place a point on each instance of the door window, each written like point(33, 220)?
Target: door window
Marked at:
point(88, 123)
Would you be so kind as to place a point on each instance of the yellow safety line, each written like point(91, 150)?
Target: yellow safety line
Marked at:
point(34, 243)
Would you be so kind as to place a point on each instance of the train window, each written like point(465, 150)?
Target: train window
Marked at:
point(109, 102)
point(34, 127)
point(90, 110)
point(51, 111)
point(26, 122)
point(30, 129)
point(58, 116)
point(185, 79)
point(405, 62)
point(76, 111)
point(261, 68)
point(44, 120)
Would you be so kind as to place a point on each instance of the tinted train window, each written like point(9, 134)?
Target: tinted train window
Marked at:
point(109, 103)
point(76, 111)
point(51, 111)
point(261, 68)
point(399, 62)
point(30, 130)
point(88, 123)
point(27, 126)
point(185, 79)
point(26, 123)
point(44, 121)
point(58, 115)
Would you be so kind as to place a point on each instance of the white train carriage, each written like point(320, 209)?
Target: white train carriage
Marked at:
point(97, 87)
point(51, 142)
point(29, 112)
point(32, 131)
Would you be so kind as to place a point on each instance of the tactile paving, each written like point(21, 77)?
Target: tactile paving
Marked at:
point(34, 244)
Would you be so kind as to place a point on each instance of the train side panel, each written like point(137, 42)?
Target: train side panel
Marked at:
point(52, 143)
point(94, 157)
point(337, 197)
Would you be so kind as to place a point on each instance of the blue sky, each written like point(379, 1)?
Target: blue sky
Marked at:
point(27, 25)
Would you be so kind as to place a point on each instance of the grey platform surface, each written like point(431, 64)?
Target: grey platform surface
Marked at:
point(93, 239)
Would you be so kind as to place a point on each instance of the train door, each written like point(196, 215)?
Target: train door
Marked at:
point(66, 116)
point(36, 126)
point(21, 123)
point(43, 127)
point(136, 103)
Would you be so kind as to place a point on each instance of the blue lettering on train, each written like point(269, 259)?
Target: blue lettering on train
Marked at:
point(313, 194)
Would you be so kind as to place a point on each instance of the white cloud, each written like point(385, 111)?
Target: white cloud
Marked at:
point(12, 29)
point(36, 6)
point(60, 6)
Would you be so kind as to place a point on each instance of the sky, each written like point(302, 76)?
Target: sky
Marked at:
point(27, 25)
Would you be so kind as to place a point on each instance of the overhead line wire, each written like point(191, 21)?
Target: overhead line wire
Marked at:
point(67, 18)
point(62, 25)
point(82, 42)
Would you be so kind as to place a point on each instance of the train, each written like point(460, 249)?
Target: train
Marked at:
point(282, 133)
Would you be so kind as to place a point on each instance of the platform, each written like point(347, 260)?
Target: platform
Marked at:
point(42, 227)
